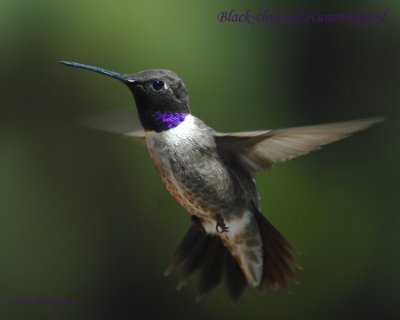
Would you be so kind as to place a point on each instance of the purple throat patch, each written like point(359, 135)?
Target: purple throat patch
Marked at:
point(168, 120)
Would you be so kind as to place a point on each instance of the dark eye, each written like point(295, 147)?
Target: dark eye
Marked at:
point(158, 85)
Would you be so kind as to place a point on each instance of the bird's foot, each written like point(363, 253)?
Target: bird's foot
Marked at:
point(197, 221)
point(221, 226)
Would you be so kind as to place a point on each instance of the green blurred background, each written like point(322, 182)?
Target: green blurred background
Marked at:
point(84, 216)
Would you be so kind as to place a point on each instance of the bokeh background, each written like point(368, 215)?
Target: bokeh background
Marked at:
point(84, 216)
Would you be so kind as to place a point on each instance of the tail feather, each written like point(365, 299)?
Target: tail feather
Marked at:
point(196, 259)
point(277, 256)
point(184, 249)
point(207, 254)
point(235, 282)
point(212, 271)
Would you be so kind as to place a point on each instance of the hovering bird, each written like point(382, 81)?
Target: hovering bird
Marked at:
point(212, 175)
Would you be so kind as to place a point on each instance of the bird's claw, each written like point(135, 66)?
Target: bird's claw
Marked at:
point(221, 226)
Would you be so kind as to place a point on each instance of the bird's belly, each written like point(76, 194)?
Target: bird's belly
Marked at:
point(183, 194)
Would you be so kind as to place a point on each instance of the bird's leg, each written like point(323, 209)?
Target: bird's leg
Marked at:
point(197, 221)
point(221, 226)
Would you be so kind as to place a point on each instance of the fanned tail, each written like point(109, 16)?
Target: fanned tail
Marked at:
point(206, 255)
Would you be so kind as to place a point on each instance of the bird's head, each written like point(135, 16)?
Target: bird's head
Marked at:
point(160, 95)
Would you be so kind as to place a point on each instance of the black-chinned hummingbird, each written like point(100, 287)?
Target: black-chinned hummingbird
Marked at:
point(212, 175)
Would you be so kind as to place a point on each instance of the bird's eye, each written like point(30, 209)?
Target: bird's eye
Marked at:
point(158, 85)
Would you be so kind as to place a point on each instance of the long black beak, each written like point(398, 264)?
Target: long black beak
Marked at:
point(106, 72)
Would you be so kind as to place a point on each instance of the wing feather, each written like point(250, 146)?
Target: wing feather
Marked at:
point(259, 150)
point(120, 121)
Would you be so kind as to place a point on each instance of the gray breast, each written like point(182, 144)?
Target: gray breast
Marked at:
point(194, 172)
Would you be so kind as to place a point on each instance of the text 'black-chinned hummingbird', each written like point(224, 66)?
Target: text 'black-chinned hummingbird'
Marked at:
point(211, 174)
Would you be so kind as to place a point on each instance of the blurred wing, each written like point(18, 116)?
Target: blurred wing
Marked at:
point(115, 121)
point(259, 150)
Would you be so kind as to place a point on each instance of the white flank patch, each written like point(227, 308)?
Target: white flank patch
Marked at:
point(237, 226)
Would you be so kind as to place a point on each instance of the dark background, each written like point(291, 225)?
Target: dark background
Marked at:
point(84, 216)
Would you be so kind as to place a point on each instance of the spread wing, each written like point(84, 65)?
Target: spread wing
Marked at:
point(118, 121)
point(259, 150)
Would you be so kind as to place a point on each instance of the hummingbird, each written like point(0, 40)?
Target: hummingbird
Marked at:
point(212, 175)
